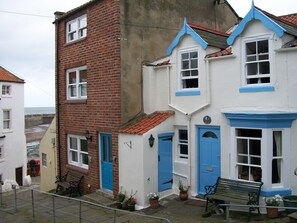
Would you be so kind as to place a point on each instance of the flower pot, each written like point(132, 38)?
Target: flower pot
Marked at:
point(131, 207)
point(272, 212)
point(183, 196)
point(124, 206)
point(290, 201)
point(154, 203)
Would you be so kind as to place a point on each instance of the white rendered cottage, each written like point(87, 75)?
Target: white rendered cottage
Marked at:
point(13, 156)
point(235, 110)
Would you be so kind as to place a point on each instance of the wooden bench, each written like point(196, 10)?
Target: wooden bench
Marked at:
point(70, 183)
point(235, 191)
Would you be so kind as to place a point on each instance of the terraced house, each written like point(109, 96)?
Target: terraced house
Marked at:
point(100, 49)
point(221, 104)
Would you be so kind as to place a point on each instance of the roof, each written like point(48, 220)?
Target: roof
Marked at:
point(291, 18)
point(7, 76)
point(225, 52)
point(147, 123)
point(212, 37)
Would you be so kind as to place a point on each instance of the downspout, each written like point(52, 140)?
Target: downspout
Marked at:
point(57, 98)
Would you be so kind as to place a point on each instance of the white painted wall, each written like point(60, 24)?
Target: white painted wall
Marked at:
point(14, 143)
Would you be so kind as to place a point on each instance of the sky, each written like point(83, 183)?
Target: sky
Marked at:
point(27, 40)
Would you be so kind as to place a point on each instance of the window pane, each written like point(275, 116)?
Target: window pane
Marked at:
point(84, 159)
point(193, 55)
point(72, 26)
point(74, 156)
point(83, 145)
point(83, 89)
point(185, 56)
point(183, 135)
point(263, 46)
point(252, 68)
point(250, 48)
point(6, 125)
point(73, 91)
point(255, 146)
point(276, 171)
point(264, 68)
point(190, 83)
point(256, 174)
point(82, 76)
point(6, 115)
point(194, 63)
point(277, 143)
point(184, 149)
point(83, 22)
point(255, 133)
point(194, 73)
point(185, 73)
point(242, 159)
point(264, 80)
point(72, 77)
point(73, 143)
point(242, 146)
point(185, 64)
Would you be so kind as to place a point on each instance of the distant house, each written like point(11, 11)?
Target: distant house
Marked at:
point(220, 104)
point(12, 130)
point(48, 158)
point(101, 47)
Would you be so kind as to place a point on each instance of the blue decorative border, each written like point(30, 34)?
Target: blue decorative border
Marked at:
point(188, 93)
point(186, 29)
point(261, 120)
point(247, 89)
point(168, 134)
point(251, 15)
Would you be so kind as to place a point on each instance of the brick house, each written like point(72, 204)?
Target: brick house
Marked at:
point(100, 49)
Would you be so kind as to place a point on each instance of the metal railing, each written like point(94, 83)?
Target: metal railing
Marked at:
point(57, 208)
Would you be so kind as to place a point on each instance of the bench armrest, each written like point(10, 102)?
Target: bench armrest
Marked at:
point(253, 199)
point(210, 189)
point(61, 178)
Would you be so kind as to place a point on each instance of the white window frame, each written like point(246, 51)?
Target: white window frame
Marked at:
point(266, 157)
point(77, 84)
point(1, 153)
point(9, 120)
point(78, 151)
point(79, 29)
point(6, 90)
point(179, 143)
point(180, 70)
point(257, 38)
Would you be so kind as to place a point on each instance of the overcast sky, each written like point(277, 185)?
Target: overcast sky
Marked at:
point(27, 40)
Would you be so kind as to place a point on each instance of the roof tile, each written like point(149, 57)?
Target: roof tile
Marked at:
point(147, 123)
point(7, 76)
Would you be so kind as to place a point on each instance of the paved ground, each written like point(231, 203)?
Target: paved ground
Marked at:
point(67, 210)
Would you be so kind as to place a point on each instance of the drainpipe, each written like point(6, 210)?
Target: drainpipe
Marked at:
point(57, 97)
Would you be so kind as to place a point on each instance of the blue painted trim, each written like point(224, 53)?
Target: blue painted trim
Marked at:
point(261, 120)
point(271, 193)
point(257, 88)
point(165, 134)
point(186, 29)
point(187, 93)
point(252, 15)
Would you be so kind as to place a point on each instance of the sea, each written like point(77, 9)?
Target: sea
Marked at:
point(39, 110)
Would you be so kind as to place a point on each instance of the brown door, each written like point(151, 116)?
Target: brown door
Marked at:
point(19, 175)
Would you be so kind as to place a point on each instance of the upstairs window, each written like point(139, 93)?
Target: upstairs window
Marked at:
point(1, 153)
point(77, 83)
point(183, 151)
point(6, 89)
point(77, 29)
point(189, 70)
point(43, 161)
point(257, 62)
point(6, 119)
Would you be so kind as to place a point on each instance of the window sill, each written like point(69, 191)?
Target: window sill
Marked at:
point(187, 93)
point(75, 41)
point(272, 192)
point(77, 169)
point(249, 89)
point(76, 101)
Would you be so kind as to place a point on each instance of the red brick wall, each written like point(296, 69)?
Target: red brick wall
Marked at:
point(100, 52)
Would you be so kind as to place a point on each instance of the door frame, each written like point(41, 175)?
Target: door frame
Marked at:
point(100, 159)
point(198, 129)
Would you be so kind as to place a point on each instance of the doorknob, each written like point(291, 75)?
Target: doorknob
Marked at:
point(209, 169)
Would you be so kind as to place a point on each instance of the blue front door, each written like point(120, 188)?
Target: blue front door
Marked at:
point(106, 161)
point(165, 178)
point(209, 157)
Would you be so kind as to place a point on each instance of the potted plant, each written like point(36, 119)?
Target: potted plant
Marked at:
point(183, 191)
point(131, 202)
point(121, 198)
point(153, 199)
point(272, 203)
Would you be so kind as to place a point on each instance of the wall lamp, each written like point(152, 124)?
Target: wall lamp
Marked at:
point(88, 136)
point(151, 140)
